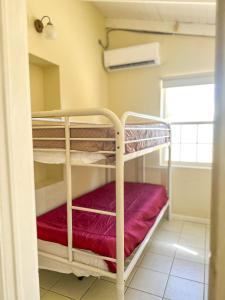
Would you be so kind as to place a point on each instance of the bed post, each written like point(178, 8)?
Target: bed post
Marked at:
point(141, 170)
point(169, 176)
point(69, 190)
point(120, 212)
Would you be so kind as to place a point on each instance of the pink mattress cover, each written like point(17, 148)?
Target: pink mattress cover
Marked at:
point(97, 233)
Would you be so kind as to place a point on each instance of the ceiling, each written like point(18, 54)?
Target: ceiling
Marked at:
point(190, 12)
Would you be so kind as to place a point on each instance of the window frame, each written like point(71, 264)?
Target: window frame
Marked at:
point(181, 81)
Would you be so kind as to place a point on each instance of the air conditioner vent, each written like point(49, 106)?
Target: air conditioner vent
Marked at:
point(132, 65)
point(145, 55)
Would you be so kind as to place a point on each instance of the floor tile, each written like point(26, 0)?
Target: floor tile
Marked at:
point(129, 279)
point(191, 254)
point(161, 247)
point(149, 281)
point(54, 296)
point(206, 292)
point(157, 262)
point(174, 226)
point(192, 241)
point(166, 236)
point(132, 294)
point(194, 229)
point(101, 290)
point(127, 282)
point(182, 289)
point(188, 270)
point(139, 260)
point(71, 286)
point(48, 278)
point(194, 232)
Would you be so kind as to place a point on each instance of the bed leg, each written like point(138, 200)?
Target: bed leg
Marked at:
point(168, 213)
point(120, 291)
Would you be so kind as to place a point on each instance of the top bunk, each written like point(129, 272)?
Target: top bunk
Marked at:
point(57, 137)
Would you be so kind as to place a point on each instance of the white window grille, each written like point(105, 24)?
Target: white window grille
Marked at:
point(188, 102)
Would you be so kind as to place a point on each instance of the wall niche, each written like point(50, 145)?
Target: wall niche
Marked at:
point(45, 96)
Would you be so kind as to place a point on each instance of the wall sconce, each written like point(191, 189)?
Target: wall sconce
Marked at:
point(48, 29)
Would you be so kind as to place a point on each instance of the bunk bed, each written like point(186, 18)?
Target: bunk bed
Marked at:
point(104, 232)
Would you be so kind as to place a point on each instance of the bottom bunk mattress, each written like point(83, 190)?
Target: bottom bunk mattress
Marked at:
point(97, 233)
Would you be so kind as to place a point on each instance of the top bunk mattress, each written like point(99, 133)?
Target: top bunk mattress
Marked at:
point(97, 233)
point(49, 135)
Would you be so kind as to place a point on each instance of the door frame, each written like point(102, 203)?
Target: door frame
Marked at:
point(18, 239)
point(217, 264)
point(18, 242)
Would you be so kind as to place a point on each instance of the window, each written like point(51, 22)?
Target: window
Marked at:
point(189, 104)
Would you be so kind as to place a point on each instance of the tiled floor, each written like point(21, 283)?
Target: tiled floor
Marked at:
point(174, 267)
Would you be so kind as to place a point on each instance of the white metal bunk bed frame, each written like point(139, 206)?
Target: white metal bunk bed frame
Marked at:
point(119, 125)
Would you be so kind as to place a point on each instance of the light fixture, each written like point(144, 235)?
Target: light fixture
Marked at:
point(48, 29)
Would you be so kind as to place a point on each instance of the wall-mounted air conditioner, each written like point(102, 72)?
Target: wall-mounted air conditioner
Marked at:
point(145, 55)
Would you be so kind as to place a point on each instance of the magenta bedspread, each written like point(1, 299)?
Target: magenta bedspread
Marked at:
point(97, 233)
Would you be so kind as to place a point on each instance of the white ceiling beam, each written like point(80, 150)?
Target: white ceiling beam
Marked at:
point(203, 2)
point(163, 27)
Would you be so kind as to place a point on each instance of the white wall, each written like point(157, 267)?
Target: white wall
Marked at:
point(139, 90)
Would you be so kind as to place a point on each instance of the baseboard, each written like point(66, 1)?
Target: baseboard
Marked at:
point(191, 219)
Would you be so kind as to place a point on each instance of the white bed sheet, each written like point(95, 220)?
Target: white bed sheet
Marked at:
point(59, 157)
point(62, 251)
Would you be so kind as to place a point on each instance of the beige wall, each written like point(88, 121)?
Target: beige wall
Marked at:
point(83, 81)
point(37, 103)
point(45, 95)
point(37, 87)
point(139, 90)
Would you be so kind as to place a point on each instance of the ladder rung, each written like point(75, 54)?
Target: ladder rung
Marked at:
point(94, 165)
point(94, 255)
point(48, 139)
point(94, 139)
point(147, 139)
point(96, 211)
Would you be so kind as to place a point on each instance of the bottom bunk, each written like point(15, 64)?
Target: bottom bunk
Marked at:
point(97, 233)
